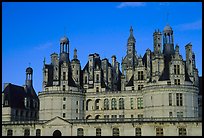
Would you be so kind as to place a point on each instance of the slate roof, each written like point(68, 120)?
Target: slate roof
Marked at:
point(130, 83)
point(15, 96)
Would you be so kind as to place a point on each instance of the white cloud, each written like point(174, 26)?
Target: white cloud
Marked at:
point(43, 46)
point(131, 4)
point(190, 26)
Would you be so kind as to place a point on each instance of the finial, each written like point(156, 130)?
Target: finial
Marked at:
point(44, 61)
point(64, 31)
point(75, 53)
point(167, 16)
point(131, 30)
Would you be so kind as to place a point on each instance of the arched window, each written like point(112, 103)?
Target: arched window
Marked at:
point(38, 132)
point(9, 132)
point(116, 132)
point(138, 131)
point(27, 132)
point(106, 104)
point(113, 104)
point(121, 103)
point(80, 132)
point(182, 131)
point(98, 131)
point(87, 104)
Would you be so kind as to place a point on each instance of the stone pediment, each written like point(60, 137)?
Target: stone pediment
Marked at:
point(57, 121)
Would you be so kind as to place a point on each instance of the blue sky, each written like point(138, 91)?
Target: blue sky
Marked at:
point(31, 31)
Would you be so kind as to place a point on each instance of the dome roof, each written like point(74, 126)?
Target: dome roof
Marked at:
point(29, 70)
point(64, 40)
point(167, 28)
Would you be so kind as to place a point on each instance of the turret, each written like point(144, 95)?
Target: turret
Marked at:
point(29, 77)
point(168, 41)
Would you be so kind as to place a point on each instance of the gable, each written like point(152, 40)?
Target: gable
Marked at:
point(57, 121)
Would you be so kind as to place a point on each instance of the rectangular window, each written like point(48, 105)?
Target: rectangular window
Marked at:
point(179, 99)
point(27, 132)
point(64, 99)
point(170, 114)
point(176, 69)
point(140, 75)
point(182, 131)
point(177, 81)
point(64, 75)
point(86, 80)
point(106, 117)
point(170, 99)
point(97, 77)
point(63, 88)
point(63, 114)
point(140, 87)
point(63, 106)
point(140, 116)
point(159, 132)
point(98, 131)
point(114, 117)
point(138, 131)
point(131, 103)
point(140, 103)
point(180, 114)
point(97, 89)
point(77, 110)
point(121, 117)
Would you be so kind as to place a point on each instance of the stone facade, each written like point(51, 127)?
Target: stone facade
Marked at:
point(156, 94)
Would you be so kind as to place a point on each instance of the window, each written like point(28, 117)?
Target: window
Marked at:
point(106, 104)
point(121, 117)
point(182, 131)
point(80, 132)
point(63, 115)
point(159, 131)
point(63, 106)
point(170, 99)
point(86, 80)
point(106, 117)
point(177, 81)
point(113, 104)
point(98, 131)
point(77, 110)
point(140, 87)
point(64, 75)
point(9, 132)
point(116, 132)
point(38, 132)
point(27, 132)
point(138, 131)
point(176, 69)
point(140, 103)
point(140, 116)
point(114, 117)
point(131, 103)
point(97, 104)
point(64, 99)
point(179, 114)
point(97, 89)
point(77, 72)
point(97, 77)
point(63, 88)
point(133, 88)
point(170, 114)
point(121, 103)
point(179, 99)
point(140, 75)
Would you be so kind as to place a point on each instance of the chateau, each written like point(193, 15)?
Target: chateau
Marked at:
point(154, 95)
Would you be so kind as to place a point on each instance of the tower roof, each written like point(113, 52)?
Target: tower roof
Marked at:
point(64, 39)
point(131, 37)
point(29, 70)
point(167, 28)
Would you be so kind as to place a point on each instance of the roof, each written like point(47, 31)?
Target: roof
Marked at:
point(130, 83)
point(15, 95)
point(167, 28)
point(64, 39)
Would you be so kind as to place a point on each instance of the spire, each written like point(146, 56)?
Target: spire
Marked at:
point(75, 53)
point(131, 38)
